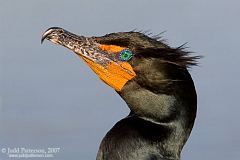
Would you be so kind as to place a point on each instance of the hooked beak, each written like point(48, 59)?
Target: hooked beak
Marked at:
point(102, 59)
point(48, 32)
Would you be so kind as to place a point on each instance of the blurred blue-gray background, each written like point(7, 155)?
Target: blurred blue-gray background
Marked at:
point(50, 98)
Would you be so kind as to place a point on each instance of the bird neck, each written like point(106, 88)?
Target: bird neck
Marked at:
point(171, 114)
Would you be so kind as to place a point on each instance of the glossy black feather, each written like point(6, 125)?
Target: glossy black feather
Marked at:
point(162, 100)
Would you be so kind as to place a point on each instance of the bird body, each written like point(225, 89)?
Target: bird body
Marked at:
point(153, 79)
point(134, 138)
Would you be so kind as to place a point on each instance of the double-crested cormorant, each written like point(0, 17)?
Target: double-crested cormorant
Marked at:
point(153, 80)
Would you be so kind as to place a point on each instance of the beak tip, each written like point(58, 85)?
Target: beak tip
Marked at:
point(44, 36)
point(42, 39)
point(48, 32)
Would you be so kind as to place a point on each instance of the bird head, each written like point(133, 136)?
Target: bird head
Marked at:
point(110, 62)
point(119, 58)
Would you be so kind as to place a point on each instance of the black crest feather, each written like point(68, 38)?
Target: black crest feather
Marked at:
point(178, 56)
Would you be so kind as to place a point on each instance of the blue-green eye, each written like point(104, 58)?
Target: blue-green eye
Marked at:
point(125, 55)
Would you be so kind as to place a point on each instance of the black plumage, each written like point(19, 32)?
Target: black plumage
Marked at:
point(162, 100)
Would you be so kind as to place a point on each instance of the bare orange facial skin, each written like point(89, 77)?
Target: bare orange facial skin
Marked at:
point(114, 74)
point(111, 48)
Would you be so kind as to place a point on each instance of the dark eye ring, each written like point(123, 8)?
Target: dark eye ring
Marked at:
point(125, 55)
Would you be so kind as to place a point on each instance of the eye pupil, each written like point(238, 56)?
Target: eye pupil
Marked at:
point(125, 55)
